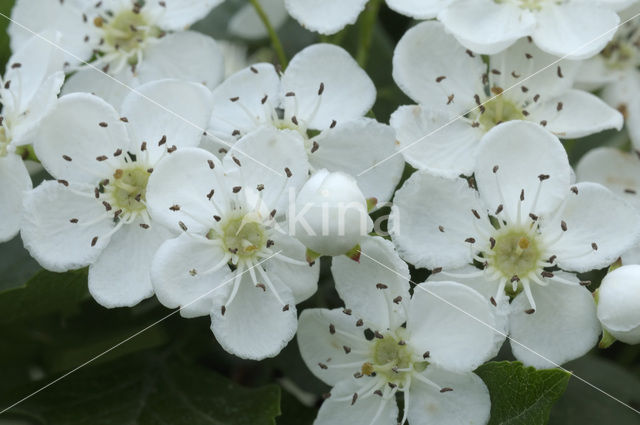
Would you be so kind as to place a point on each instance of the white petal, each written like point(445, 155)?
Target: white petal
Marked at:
point(621, 94)
point(49, 17)
point(467, 404)
point(563, 327)
point(250, 86)
point(247, 24)
point(182, 277)
point(576, 30)
point(372, 410)
point(424, 55)
point(111, 87)
point(176, 109)
point(256, 325)
point(265, 155)
point(185, 178)
point(581, 114)
point(15, 181)
point(56, 243)
point(418, 9)
point(302, 279)
point(430, 140)
point(75, 128)
point(348, 91)
point(423, 205)
point(187, 55)
point(120, 277)
point(325, 16)
point(618, 300)
point(317, 343)
point(594, 216)
point(522, 151)
point(356, 146)
point(454, 323)
point(180, 14)
point(358, 283)
point(485, 26)
point(617, 170)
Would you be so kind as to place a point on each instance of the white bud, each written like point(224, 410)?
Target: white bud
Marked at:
point(619, 303)
point(330, 214)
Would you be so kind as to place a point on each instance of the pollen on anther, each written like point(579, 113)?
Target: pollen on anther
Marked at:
point(94, 241)
point(563, 225)
point(288, 172)
point(381, 286)
point(441, 229)
point(594, 246)
point(210, 194)
point(66, 158)
point(236, 189)
point(182, 226)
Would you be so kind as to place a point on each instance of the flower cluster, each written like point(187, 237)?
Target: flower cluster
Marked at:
point(221, 190)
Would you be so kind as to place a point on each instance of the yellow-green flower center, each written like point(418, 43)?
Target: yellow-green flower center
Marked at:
point(619, 54)
point(516, 253)
point(497, 110)
point(127, 31)
point(128, 189)
point(242, 235)
point(392, 359)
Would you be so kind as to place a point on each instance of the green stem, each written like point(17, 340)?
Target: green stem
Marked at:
point(275, 40)
point(365, 36)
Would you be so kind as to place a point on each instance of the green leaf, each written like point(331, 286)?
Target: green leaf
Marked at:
point(151, 389)
point(583, 404)
point(521, 395)
point(43, 294)
point(5, 52)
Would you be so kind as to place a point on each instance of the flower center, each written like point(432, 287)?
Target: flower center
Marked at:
point(127, 32)
point(392, 359)
point(242, 235)
point(127, 189)
point(533, 5)
point(516, 252)
point(498, 110)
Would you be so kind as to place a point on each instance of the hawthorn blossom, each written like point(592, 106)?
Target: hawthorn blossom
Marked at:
point(517, 237)
point(323, 95)
point(461, 98)
point(448, 333)
point(618, 171)
point(576, 29)
point(131, 43)
point(234, 259)
point(618, 301)
point(28, 90)
point(95, 212)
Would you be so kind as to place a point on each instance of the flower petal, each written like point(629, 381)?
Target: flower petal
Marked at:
point(432, 140)
point(81, 127)
point(418, 9)
point(576, 113)
point(454, 323)
point(173, 57)
point(256, 325)
point(325, 16)
point(600, 227)
point(182, 277)
point(322, 335)
point(113, 88)
point(355, 146)
point(120, 277)
point(434, 69)
point(563, 327)
point(576, 30)
point(618, 300)
point(328, 85)
point(46, 227)
point(523, 152)
point(431, 219)
point(247, 24)
point(181, 14)
point(428, 406)
point(485, 26)
point(15, 181)
point(376, 287)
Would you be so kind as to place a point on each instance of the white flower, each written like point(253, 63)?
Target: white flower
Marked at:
point(620, 172)
point(247, 24)
point(577, 29)
point(448, 333)
point(619, 303)
point(330, 214)
point(232, 261)
point(28, 90)
point(131, 43)
point(523, 226)
point(324, 96)
point(95, 214)
point(448, 81)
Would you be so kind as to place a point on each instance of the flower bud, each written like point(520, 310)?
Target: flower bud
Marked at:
point(330, 215)
point(619, 303)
